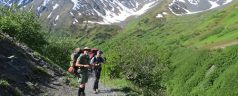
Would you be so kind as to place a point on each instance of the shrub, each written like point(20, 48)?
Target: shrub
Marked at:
point(23, 26)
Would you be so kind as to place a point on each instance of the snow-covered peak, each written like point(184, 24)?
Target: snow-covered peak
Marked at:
point(9, 3)
point(77, 11)
point(123, 12)
point(112, 11)
point(180, 7)
point(194, 2)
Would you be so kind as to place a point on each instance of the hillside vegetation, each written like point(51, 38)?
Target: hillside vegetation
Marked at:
point(54, 46)
point(172, 55)
point(151, 56)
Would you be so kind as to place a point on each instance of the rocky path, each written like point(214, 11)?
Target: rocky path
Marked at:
point(103, 90)
point(57, 88)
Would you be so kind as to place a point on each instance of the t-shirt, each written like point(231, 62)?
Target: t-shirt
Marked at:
point(84, 59)
point(97, 60)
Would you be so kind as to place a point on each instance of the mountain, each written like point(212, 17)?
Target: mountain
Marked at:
point(70, 12)
point(180, 7)
point(73, 12)
point(8, 3)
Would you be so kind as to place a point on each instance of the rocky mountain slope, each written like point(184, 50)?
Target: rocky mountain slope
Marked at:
point(180, 7)
point(25, 73)
point(70, 12)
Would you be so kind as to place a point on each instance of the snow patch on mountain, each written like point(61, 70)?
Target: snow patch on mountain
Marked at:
point(49, 15)
point(57, 18)
point(214, 4)
point(72, 14)
point(159, 16)
point(181, 7)
point(75, 4)
point(45, 2)
point(194, 2)
point(75, 21)
point(109, 16)
point(20, 2)
point(55, 6)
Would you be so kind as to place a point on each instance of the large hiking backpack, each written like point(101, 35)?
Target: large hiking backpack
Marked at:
point(72, 69)
point(93, 52)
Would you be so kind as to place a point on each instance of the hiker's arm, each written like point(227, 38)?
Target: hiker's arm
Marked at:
point(78, 63)
point(81, 65)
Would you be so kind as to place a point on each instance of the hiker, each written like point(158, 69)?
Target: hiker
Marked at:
point(83, 63)
point(96, 62)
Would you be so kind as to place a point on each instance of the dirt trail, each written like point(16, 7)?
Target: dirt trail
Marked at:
point(57, 88)
point(103, 90)
point(222, 45)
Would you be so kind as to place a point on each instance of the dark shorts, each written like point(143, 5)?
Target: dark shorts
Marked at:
point(83, 76)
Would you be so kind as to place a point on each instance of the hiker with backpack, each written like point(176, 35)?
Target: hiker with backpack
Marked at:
point(83, 64)
point(96, 62)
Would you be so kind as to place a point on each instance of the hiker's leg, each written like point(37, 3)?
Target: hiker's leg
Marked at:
point(83, 92)
point(99, 73)
point(81, 89)
point(84, 81)
point(97, 78)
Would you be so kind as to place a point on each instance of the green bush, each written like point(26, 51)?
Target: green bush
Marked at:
point(22, 25)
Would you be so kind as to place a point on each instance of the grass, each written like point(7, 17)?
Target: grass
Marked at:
point(4, 83)
point(218, 38)
point(120, 84)
point(40, 71)
point(8, 88)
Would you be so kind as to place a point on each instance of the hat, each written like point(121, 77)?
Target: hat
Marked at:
point(100, 52)
point(86, 48)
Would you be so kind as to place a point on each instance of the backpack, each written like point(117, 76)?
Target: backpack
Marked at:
point(73, 69)
point(93, 52)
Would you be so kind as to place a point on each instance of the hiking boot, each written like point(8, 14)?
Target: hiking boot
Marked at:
point(82, 94)
point(94, 92)
point(97, 90)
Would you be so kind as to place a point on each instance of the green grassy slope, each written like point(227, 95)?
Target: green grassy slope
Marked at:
point(171, 56)
point(167, 56)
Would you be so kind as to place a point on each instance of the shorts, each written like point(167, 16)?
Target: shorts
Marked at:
point(83, 76)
